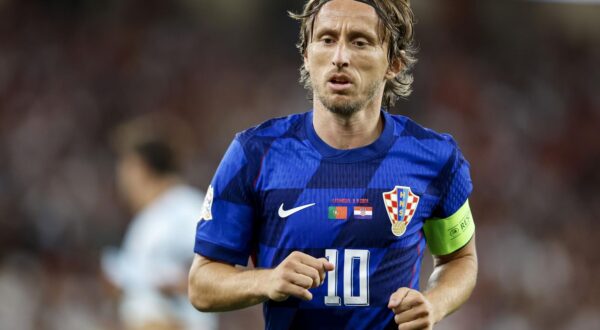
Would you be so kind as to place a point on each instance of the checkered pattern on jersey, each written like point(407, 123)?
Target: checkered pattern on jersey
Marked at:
point(401, 202)
point(283, 164)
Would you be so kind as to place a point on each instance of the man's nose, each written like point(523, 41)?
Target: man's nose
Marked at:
point(341, 57)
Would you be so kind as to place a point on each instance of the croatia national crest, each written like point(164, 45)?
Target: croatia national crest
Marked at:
point(401, 205)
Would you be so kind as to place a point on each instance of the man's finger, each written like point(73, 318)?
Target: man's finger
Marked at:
point(301, 280)
point(327, 266)
point(411, 315)
point(322, 265)
point(310, 260)
point(412, 299)
point(420, 324)
point(297, 291)
point(397, 297)
point(314, 274)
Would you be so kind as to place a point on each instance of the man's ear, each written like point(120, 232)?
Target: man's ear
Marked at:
point(394, 69)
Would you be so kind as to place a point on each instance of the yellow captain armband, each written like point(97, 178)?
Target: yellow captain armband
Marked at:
point(447, 235)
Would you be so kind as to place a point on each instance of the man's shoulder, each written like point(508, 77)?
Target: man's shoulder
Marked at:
point(421, 141)
point(184, 193)
point(178, 201)
point(271, 129)
point(408, 128)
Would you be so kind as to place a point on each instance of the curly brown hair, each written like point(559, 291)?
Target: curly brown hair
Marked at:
point(396, 23)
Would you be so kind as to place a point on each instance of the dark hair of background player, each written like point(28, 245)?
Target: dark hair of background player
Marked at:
point(396, 25)
point(159, 140)
point(158, 155)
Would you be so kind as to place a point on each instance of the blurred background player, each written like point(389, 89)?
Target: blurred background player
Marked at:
point(151, 266)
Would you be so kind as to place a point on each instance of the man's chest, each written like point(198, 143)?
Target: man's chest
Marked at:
point(371, 204)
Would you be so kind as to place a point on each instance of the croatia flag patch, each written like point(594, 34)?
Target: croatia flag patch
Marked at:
point(363, 212)
point(401, 205)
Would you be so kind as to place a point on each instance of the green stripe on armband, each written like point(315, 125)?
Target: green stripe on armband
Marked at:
point(447, 235)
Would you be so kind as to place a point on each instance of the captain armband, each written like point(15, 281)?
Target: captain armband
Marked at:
point(447, 235)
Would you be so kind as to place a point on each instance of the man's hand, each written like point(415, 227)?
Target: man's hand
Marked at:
point(412, 310)
point(295, 275)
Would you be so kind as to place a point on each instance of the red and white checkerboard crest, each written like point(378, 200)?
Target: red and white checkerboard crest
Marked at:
point(401, 205)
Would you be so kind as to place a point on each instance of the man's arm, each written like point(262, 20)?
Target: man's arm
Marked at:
point(449, 286)
point(452, 281)
point(215, 286)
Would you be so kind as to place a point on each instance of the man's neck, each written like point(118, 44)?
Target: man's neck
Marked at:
point(340, 132)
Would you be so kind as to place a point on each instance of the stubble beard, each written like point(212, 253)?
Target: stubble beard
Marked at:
point(349, 107)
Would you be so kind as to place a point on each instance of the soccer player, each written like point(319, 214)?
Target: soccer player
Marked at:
point(150, 269)
point(336, 205)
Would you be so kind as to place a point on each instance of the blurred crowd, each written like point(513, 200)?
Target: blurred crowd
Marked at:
point(514, 82)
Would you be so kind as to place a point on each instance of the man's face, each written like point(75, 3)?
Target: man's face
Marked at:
point(132, 174)
point(346, 58)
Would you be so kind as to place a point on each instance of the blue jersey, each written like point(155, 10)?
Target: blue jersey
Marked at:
point(280, 188)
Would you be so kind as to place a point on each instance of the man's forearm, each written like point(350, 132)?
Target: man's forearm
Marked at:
point(452, 281)
point(216, 287)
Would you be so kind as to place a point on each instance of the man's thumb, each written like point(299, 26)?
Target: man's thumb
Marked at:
point(328, 266)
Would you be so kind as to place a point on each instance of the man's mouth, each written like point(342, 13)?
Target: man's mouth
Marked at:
point(339, 82)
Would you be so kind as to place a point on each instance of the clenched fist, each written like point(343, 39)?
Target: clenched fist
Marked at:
point(295, 275)
point(412, 310)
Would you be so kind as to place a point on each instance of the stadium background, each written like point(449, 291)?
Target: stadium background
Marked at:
point(515, 82)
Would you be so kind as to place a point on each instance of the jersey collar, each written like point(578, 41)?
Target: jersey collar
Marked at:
point(373, 150)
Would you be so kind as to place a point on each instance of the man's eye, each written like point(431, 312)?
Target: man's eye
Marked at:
point(327, 40)
point(360, 43)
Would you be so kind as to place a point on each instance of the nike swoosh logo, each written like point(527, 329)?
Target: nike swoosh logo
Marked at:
point(286, 213)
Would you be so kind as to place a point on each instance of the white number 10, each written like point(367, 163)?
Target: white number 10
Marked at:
point(360, 298)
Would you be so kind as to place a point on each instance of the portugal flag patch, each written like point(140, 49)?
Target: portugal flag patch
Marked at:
point(337, 212)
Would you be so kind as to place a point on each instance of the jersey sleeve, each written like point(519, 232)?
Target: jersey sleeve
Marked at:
point(451, 226)
point(225, 230)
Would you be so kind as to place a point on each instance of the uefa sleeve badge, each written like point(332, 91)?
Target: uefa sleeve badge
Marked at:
point(401, 205)
point(207, 206)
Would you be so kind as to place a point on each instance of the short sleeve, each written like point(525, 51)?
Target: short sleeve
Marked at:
point(455, 183)
point(451, 226)
point(225, 231)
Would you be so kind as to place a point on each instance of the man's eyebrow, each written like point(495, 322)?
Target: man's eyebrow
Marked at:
point(371, 37)
point(325, 31)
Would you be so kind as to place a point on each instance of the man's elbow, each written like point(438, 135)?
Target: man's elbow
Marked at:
point(199, 303)
point(198, 298)
point(198, 292)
